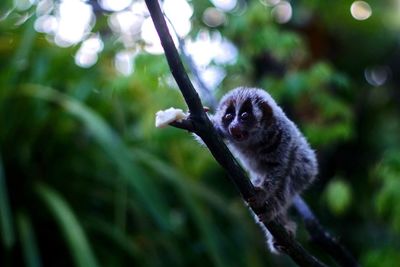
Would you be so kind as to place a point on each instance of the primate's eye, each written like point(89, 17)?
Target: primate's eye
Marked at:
point(228, 117)
point(244, 115)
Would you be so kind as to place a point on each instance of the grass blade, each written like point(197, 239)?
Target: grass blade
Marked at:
point(115, 237)
point(190, 194)
point(113, 146)
point(28, 241)
point(70, 226)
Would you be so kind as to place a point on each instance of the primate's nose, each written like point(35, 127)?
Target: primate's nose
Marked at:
point(237, 133)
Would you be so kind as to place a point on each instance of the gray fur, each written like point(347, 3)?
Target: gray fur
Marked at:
point(271, 148)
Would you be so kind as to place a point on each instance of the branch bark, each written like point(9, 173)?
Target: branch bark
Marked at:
point(201, 125)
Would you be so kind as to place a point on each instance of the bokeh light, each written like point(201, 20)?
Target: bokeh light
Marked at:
point(225, 5)
point(360, 10)
point(113, 5)
point(208, 48)
point(212, 76)
point(44, 7)
point(23, 4)
point(46, 24)
point(150, 37)
point(178, 14)
point(124, 62)
point(87, 54)
point(211, 46)
point(213, 17)
point(127, 25)
point(377, 75)
point(70, 22)
point(269, 2)
point(75, 19)
point(282, 12)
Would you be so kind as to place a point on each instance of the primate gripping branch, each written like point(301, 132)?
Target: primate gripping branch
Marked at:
point(199, 123)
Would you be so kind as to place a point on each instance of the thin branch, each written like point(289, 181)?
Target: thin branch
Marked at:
point(203, 88)
point(203, 128)
point(186, 124)
point(321, 237)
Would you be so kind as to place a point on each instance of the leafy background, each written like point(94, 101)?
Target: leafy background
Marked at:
point(86, 179)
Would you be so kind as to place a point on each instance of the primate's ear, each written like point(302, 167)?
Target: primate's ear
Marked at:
point(268, 114)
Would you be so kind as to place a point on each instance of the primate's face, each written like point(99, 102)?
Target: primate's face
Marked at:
point(241, 114)
point(239, 120)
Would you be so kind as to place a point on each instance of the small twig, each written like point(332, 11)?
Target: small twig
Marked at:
point(203, 128)
point(203, 88)
point(205, 91)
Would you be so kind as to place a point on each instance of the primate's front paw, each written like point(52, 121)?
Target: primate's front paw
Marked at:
point(290, 227)
point(276, 247)
point(258, 199)
point(266, 215)
point(266, 207)
point(258, 204)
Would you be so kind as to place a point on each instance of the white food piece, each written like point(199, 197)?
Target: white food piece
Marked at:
point(165, 117)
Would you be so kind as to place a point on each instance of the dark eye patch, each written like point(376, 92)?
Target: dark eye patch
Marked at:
point(230, 109)
point(229, 114)
point(246, 107)
point(246, 112)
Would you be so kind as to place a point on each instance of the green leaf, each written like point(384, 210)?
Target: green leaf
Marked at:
point(115, 236)
point(70, 226)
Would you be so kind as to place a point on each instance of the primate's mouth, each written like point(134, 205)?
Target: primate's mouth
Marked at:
point(239, 135)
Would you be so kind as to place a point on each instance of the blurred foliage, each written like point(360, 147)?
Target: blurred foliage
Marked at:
point(86, 179)
point(388, 173)
point(338, 196)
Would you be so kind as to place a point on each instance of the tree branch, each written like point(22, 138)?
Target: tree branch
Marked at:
point(203, 128)
point(322, 238)
point(317, 233)
point(205, 92)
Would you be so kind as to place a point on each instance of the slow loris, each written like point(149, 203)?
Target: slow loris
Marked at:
point(270, 147)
